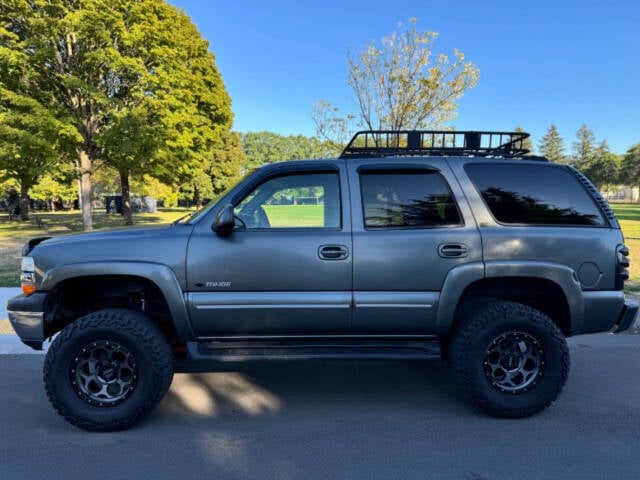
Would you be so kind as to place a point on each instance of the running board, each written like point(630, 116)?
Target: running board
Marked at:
point(234, 351)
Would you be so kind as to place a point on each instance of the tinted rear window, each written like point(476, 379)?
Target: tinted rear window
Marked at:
point(534, 195)
point(407, 199)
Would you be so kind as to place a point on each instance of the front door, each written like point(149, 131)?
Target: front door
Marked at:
point(285, 270)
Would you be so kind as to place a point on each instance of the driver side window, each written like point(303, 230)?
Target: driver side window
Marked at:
point(309, 200)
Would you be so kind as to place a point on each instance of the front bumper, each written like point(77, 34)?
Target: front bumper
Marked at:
point(26, 314)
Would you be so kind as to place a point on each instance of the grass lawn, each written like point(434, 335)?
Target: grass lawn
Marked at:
point(13, 235)
point(295, 215)
point(628, 215)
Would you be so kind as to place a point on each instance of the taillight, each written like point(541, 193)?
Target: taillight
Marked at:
point(622, 265)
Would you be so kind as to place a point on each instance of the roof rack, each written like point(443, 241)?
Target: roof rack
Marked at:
point(382, 143)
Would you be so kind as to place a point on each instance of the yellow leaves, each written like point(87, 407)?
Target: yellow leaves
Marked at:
point(399, 86)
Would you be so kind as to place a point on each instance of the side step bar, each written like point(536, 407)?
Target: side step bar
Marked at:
point(348, 349)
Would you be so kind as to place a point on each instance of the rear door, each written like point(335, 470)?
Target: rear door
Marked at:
point(411, 227)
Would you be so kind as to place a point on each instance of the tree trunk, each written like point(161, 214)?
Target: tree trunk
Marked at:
point(196, 197)
point(85, 189)
point(24, 201)
point(126, 197)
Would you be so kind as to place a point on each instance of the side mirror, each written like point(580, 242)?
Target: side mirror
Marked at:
point(225, 220)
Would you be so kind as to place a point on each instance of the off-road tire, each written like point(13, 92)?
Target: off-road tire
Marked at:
point(131, 332)
point(475, 339)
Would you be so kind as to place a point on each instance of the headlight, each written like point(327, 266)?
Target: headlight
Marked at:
point(28, 275)
point(28, 265)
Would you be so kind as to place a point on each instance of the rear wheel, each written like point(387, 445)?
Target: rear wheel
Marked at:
point(511, 359)
point(108, 369)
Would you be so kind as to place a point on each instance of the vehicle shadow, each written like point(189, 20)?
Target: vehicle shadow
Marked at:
point(299, 388)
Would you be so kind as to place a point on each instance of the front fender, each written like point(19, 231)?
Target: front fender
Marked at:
point(161, 275)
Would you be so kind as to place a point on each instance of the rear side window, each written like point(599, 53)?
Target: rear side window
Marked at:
point(410, 199)
point(534, 195)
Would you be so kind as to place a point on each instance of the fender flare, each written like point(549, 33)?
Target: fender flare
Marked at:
point(160, 275)
point(460, 278)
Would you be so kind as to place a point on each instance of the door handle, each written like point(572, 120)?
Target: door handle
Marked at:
point(453, 250)
point(333, 252)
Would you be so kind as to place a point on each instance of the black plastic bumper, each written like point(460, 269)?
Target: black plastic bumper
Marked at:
point(26, 314)
point(627, 317)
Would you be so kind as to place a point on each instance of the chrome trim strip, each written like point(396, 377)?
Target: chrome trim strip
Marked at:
point(267, 306)
point(221, 300)
point(268, 300)
point(395, 299)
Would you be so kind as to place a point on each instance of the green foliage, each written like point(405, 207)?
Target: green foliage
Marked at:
point(527, 144)
point(630, 168)
point(50, 190)
point(400, 84)
point(261, 148)
point(583, 148)
point(604, 168)
point(135, 76)
point(226, 163)
point(552, 146)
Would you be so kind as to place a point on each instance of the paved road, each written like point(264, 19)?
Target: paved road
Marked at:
point(337, 420)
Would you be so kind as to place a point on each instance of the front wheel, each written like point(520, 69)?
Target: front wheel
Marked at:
point(108, 369)
point(511, 359)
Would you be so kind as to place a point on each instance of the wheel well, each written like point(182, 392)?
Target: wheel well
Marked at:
point(538, 293)
point(76, 297)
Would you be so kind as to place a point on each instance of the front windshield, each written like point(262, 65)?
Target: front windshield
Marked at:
point(194, 216)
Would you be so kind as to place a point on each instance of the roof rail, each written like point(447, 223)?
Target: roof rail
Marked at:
point(382, 143)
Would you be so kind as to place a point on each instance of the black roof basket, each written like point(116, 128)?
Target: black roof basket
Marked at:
point(383, 143)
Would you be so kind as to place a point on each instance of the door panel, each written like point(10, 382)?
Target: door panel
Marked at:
point(405, 243)
point(275, 280)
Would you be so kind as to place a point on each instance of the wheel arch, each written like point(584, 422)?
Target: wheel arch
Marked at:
point(554, 289)
point(117, 278)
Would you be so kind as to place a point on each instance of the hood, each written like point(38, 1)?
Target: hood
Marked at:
point(121, 234)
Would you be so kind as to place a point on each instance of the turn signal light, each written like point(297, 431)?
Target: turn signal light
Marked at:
point(28, 289)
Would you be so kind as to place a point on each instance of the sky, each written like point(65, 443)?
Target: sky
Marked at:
point(564, 62)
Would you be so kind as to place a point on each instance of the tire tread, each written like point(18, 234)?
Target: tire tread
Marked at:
point(149, 339)
point(470, 330)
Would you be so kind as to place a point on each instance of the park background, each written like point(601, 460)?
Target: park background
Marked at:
point(178, 101)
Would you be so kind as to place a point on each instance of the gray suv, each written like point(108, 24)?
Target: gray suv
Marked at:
point(411, 245)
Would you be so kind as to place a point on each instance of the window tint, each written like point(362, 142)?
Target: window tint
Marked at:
point(407, 199)
point(292, 201)
point(534, 195)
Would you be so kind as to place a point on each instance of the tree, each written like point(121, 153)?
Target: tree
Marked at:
point(120, 68)
point(631, 166)
point(32, 141)
point(267, 147)
point(55, 187)
point(227, 162)
point(33, 136)
point(527, 143)
point(401, 84)
point(552, 147)
point(584, 147)
point(604, 168)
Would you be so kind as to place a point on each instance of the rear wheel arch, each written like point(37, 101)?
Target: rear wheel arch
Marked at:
point(538, 293)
